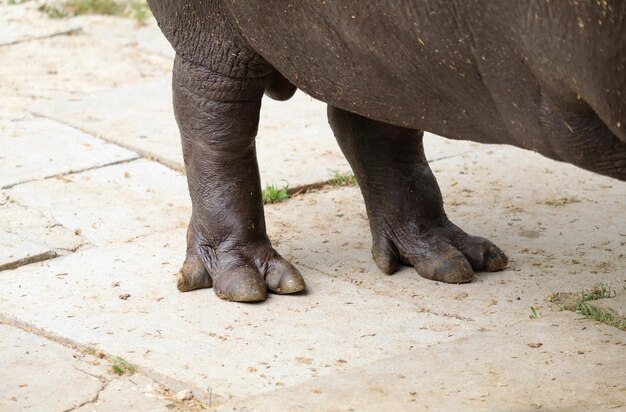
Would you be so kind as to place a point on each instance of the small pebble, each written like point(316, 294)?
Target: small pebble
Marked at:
point(184, 395)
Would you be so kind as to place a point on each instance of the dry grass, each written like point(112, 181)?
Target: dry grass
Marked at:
point(135, 9)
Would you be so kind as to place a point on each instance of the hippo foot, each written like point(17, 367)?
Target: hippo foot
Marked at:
point(438, 251)
point(239, 274)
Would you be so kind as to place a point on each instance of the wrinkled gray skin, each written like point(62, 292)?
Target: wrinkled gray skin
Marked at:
point(545, 76)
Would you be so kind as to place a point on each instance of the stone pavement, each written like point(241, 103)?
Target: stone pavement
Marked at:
point(93, 209)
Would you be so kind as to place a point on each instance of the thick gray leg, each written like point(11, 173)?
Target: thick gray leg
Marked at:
point(227, 246)
point(218, 85)
point(404, 204)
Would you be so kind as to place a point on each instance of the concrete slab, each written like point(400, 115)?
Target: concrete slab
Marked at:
point(34, 370)
point(40, 148)
point(295, 144)
point(41, 375)
point(564, 234)
point(63, 72)
point(535, 365)
point(195, 338)
point(23, 22)
point(139, 117)
point(111, 204)
point(146, 36)
point(131, 393)
point(13, 109)
point(438, 148)
point(16, 251)
point(151, 40)
point(33, 225)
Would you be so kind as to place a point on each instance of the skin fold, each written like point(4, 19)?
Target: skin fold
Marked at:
point(544, 76)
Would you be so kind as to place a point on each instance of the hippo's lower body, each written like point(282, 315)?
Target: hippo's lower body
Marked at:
point(541, 76)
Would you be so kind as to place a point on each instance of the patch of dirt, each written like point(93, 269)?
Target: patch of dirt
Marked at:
point(563, 300)
point(562, 201)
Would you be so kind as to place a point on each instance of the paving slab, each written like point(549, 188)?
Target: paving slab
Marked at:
point(555, 363)
point(23, 22)
point(139, 117)
point(425, 312)
point(40, 148)
point(295, 144)
point(111, 204)
point(146, 36)
point(294, 147)
point(229, 349)
point(132, 393)
point(27, 235)
point(13, 109)
point(34, 370)
point(151, 40)
point(16, 251)
point(564, 234)
point(42, 375)
point(62, 71)
point(35, 226)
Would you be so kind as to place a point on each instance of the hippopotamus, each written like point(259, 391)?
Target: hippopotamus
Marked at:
point(544, 76)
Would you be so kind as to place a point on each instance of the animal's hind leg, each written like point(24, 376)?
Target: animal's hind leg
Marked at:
point(227, 243)
point(218, 85)
point(404, 204)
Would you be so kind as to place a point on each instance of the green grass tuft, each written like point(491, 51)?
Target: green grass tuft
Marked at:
point(600, 315)
point(120, 366)
point(274, 193)
point(342, 179)
point(599, 291)
point(135, 9)
point(579, 303)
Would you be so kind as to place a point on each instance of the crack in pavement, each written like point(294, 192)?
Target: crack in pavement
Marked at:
point(451, 156)
point(141, 152)
point(68, 32)
point(50, 254)
point(54, 251)
point(172, 384)
point(92, 400)
point(99, 377)
point(72, 172)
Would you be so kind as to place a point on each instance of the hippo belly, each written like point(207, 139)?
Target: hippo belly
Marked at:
point(409, 68)
point(475, 70)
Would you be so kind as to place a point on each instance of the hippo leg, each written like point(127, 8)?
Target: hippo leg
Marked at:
point(227, 246)
point(404, 204)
